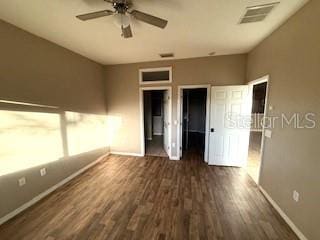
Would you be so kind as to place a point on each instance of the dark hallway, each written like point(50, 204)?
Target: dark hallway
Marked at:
point(194, 122)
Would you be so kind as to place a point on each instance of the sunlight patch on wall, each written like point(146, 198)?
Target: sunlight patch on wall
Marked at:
point(85, 132)
point(113, 125)
point(28, 139)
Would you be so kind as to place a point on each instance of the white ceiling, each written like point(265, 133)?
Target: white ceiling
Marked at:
point(195, 27)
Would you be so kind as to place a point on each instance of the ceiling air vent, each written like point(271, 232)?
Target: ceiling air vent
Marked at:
point(166, 55)
point(257, 13)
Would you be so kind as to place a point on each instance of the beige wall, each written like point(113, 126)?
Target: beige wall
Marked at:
point(291, 55)
point(122, 90)
point(37, 71)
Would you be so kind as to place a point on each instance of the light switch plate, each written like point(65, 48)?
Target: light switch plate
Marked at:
point(296, 196)
point(268, 133)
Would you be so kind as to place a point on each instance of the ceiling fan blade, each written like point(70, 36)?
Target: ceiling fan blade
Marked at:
point(93, 15)
point(126, 32)
point(155, 21)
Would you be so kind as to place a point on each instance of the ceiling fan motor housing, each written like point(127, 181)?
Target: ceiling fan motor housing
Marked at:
point(121, 7)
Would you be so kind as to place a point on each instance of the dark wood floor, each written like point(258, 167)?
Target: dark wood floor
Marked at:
point(152, 198)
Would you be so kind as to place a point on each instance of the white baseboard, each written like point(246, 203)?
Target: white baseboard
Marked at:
point(127, 154)
point(48, 191)
point(137, 155)
point(283, 215)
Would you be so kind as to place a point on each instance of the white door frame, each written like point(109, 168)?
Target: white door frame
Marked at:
point(180, 120)
point(251, 84)
point(141, 90)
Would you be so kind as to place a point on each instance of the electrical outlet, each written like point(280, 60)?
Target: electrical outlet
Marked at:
point(268, 133)
point(43, 172)
point(22, 181)
point(295, 196)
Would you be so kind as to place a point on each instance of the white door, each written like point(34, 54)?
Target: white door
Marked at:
point(166, 121)
point(230, 118)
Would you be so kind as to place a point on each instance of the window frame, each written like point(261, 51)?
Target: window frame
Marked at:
point(143, 70)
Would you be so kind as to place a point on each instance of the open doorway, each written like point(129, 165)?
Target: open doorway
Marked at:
point(259, 96)
point(193, 112)
point(156, 118)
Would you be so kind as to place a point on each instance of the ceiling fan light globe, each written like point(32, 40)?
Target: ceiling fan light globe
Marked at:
point(121, 20)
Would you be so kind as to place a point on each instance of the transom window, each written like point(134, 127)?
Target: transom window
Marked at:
point(155, 75)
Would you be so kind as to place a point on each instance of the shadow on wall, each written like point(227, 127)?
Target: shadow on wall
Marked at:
point(32, 135)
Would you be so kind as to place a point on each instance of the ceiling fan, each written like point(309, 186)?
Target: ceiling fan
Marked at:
point(122, 10)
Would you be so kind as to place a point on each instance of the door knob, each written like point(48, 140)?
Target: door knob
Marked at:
point(212, 130)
